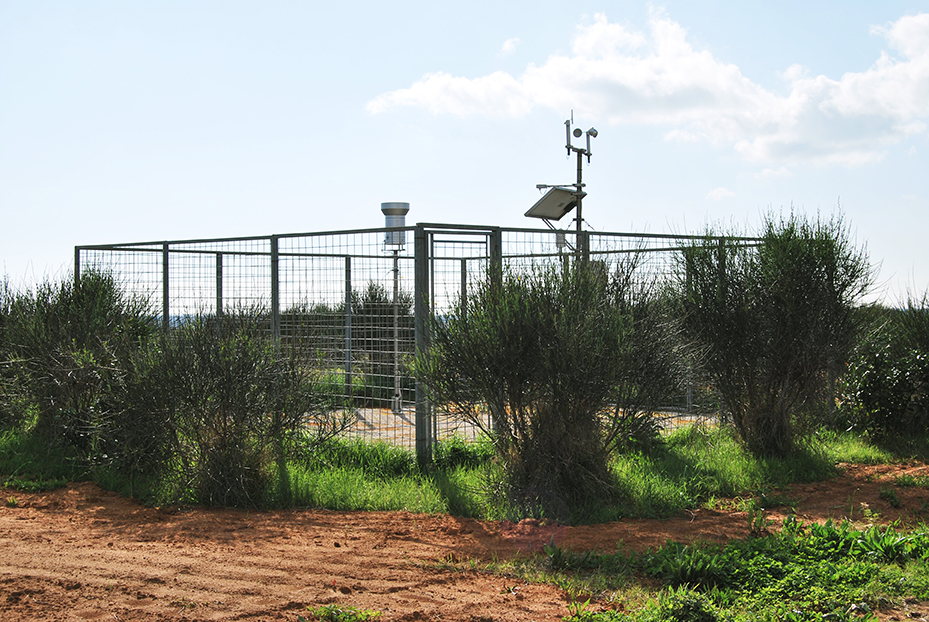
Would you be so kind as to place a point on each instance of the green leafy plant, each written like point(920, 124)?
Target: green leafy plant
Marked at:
point(886, 545)
point(341, 613)
point(693, 565)
point(680, 604)
point(758, 521)
point(582, 612)
point(910, 481)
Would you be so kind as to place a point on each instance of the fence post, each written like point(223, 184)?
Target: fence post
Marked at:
point(77, 265)
point(165, 290)
point(464, 289)
point(422, 312)
point(583, 246)
point(219, 286)
point(723, 286)
point(348, 328)
point(496, 256)
point(275, 294)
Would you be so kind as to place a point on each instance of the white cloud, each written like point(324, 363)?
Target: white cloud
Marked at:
point(719, 194)
point(775, 173)
point(496, 95)
point(658, 78)
point(509, 46)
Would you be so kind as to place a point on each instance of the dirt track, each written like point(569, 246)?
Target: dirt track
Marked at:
point(79, 553)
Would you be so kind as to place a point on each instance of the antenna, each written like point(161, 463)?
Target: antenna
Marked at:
point(559, 200)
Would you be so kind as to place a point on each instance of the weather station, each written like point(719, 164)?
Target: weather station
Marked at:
point(394, 242)
point(561, 198)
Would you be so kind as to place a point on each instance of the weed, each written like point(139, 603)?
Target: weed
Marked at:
point(682, 605)
point(886, 546)
point(581, 612)
point(867, 513)
point(909, 481)
point(680, 564)
point(183, 604)
point(758, 522)
point(890, 496)
point(12, 502)
point(341, 613)
point(577, 609)
point(35, 485)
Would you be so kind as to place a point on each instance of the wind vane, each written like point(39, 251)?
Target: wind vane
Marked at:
point(559, 200)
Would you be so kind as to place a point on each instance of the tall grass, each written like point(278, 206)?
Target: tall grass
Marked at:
point(345, 488)
point(354, 474)
point(699, 464)
point(26, 457)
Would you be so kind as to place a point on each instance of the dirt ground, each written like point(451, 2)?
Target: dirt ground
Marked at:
point(80, 553)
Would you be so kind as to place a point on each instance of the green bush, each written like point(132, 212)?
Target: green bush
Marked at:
point(560, 358)
point(229, 406)
point(887, 391)
point(774, 321)
point(14, 400)
point(67, 345)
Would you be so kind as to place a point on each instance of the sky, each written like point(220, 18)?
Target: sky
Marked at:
point(127, 121)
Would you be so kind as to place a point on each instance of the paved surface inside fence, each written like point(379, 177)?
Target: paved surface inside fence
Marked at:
point(381, 424)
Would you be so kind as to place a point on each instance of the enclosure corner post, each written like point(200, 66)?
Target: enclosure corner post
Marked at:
point(496, 256)
point(421, 312)
point(77, 265)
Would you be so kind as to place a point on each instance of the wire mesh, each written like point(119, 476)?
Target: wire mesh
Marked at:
point(343, 302)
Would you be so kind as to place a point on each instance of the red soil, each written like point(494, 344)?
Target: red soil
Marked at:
point(80, 553)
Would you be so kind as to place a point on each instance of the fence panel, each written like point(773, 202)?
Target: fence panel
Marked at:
point(344, 302)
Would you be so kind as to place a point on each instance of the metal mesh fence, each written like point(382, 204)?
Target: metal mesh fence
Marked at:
point(345, 302)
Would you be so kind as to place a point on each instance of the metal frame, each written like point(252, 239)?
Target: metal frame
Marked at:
point(309, 285)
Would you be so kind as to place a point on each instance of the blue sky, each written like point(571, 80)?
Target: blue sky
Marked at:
point(134, 121)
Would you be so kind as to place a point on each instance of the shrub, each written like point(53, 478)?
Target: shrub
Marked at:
point(228, 403)
point(887, 391)
point(14, 402)
point(555, 356)
point(774, 321)
point(67, 344)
